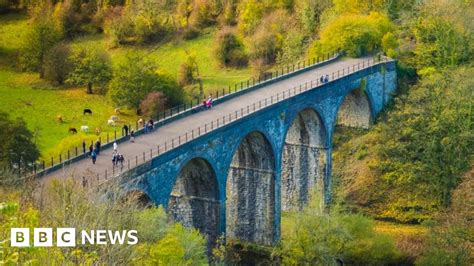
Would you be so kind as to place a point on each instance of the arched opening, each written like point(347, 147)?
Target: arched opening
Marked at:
point(250, 190)
point(355, 110)
point(194, 200)
point(137, 197)
point(303, 160)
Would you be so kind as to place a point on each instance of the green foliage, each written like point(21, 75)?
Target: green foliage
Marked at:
point(229, 49)
point(250, 12)
point(57, 64)
point(41, 37)
point(449, 241)
point(440, 38)
point(412, 160)
point(354, 34)
point(63, 203)
point(135, 77)
point(17, 147)
point(316, 236)
point(91, 67)
point(142, 21)
point(267, 41)
point(178, 247)
point(309, 13)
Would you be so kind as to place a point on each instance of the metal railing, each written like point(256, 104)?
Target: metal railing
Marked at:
point(71, 155)
point(224, 120)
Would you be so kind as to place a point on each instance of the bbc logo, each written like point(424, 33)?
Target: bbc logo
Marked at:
point(43, 237)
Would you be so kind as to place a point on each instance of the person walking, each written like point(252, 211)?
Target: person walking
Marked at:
point(114, 159)
point(125, 130)
point(97, 147)
point(91, 149)
point(83, 146)
point(115, 146)
point(94, 157)
point(132, 136)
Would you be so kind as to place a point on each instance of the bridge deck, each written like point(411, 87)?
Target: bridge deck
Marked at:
point(172, 130)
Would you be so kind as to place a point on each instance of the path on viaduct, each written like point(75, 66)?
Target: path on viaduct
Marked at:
point(143, 143)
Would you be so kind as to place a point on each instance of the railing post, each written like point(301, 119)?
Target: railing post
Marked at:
point(68, 155)
point(60, 158)
point(44, 165)
point(143, 156)
point(52, 161)
point(76, 151)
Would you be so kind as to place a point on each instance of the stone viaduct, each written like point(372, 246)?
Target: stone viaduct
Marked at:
point(236, 179)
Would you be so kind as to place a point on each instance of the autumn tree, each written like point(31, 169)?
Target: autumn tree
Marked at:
point(92, 67)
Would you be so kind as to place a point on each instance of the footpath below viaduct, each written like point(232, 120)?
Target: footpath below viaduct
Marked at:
point(273, 144)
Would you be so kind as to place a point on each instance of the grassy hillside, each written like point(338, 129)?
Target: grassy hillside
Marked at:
point(39, 103)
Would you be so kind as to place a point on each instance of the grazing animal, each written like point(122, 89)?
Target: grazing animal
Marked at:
point(97, 131)
point(117, 111)
point(114, 117)
point(72, 130)
point(111, 122)
point(85, 128)
point(60, 119)
point(87, 111)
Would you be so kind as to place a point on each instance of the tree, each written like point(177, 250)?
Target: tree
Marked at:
point(57, 64)
point(17, 149)
point(42, 36)
point(91, 67)
point(353, 33)
point(229, 49)
point(135, 77)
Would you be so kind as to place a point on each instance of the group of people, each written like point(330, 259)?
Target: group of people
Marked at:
point(207, 103)
point(94, 150)
point(324, 79)
point(149, 126)
point(117, 158)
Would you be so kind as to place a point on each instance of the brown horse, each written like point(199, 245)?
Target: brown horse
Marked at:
point(72, 130)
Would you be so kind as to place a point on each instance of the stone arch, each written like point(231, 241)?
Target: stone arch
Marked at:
point(194, 200)
point(250, 190)
point(303, 160)
point(355, 110)
point(138, 197)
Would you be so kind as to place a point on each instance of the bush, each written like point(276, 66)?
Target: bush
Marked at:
point(267, 41)
point(153, 104)
point(354, 34)
point(190, 33)
point(57, 64)
point(316, 236)
point(229, 49)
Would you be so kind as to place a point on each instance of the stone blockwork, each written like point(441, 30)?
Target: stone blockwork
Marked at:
point(250, 191)
point(259, 174)
point(355, 110)
point(303, 161)
point(194, 199)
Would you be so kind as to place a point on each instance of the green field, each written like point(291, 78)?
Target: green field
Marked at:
point(40, 103)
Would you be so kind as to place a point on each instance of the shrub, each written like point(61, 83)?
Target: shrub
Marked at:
point(229, 50)
point(267, 41)
point(57, 64)
point(190, 33)
point(153, 103)
point(317, 236)
point(352, 33)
